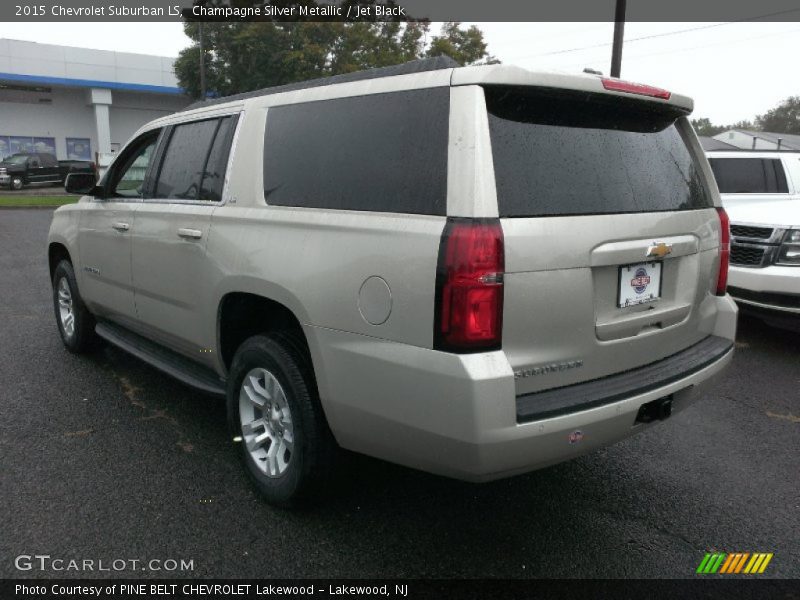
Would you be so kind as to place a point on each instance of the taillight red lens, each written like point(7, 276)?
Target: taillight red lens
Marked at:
point(469, 286)
point(617, 85)
point(724, 251)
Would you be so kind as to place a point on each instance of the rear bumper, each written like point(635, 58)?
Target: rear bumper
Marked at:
point(457, 415)
point(549, 441)
point(598, 392)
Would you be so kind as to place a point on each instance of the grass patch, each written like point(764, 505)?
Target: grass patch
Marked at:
point(23, 201)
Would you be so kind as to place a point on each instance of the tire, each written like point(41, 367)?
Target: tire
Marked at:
point(16, 183)
point(289, 452)
point(75, 322)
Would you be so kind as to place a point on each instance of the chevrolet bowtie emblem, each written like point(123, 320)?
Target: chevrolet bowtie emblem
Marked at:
point(659, 250)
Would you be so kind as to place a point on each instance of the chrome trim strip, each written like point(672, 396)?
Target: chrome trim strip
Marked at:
point(786, 309)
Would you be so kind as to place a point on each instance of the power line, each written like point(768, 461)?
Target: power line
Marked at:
point(628, 41)
point(657, 35)
point(675, 51)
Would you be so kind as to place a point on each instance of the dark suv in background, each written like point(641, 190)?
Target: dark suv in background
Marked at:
point(25, 168)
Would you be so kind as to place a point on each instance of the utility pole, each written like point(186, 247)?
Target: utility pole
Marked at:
point(619, 33)
point(203, 63)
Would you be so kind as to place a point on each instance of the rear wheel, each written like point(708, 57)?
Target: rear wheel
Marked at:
point(275, 414)
point(75, 322)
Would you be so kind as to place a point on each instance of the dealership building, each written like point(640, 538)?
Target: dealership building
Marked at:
point(77, 103)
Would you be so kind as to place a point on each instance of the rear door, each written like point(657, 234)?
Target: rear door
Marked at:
point(50, 168)
point(35, 170)
point(172, 229)
point(611, 235)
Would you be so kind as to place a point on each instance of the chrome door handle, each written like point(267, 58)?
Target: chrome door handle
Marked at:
point(121, 226)
point(194, 234)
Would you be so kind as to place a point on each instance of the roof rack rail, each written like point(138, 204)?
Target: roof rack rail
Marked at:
point(415, 66)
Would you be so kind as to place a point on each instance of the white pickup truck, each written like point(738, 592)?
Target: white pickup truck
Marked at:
point(761, 193)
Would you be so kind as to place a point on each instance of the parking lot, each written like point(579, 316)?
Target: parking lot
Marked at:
point(105, 458)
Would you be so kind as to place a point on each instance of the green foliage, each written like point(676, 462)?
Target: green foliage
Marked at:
point(240, 57)
point(464, 46)
point(706, 128)
point(745, 124)
point(784, 118)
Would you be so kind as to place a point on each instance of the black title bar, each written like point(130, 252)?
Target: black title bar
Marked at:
point(389, 10)
point(697, 588)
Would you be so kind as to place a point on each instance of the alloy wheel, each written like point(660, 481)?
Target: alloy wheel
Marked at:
point(266, 421)
point(65, 309)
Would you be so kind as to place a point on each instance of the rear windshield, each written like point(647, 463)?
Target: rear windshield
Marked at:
point(749, 175)
point(582, 154)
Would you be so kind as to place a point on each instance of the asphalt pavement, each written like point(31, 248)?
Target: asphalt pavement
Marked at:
point(105, 458)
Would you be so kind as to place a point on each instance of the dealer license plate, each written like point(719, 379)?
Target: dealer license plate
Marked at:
point(639, 283)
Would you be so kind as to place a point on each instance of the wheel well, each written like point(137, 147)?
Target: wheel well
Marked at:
point(55, 254)
point(243, 315)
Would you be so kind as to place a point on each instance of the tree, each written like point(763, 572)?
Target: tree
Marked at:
point(745, 124)
point(706, 128)
point(784, 118)
point(463, 46)
point(244, 56)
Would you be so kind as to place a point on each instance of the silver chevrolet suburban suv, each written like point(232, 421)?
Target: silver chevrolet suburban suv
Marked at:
point(473, 271)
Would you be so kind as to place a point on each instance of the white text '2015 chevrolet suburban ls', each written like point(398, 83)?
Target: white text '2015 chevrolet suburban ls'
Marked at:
point(472, 271)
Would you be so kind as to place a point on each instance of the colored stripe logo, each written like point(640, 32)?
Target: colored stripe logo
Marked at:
point(735, 562)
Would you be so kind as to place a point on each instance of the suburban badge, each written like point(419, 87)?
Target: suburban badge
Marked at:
point(545, 369)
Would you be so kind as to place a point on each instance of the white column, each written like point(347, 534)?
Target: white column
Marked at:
point(101, 100)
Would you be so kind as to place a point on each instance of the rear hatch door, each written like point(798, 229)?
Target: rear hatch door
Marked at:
point(611, 235)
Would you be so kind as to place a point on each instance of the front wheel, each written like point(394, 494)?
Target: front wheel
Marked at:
point(75, 322)
point(275, 415)
point(16, 183)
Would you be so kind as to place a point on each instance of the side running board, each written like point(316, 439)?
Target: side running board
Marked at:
point(163, 359)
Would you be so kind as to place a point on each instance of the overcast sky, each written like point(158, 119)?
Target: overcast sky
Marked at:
point(733, 71)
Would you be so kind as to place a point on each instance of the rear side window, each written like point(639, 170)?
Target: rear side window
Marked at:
point(382, 152)
point(194, 163)
point(559, 153)
point(217, 163)
point(749, 175)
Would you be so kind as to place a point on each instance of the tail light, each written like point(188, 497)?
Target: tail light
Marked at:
point(617, 85)
point(724, 251)
point(469, 286)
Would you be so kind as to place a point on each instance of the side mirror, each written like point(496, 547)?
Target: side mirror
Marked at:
point(80, 183)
